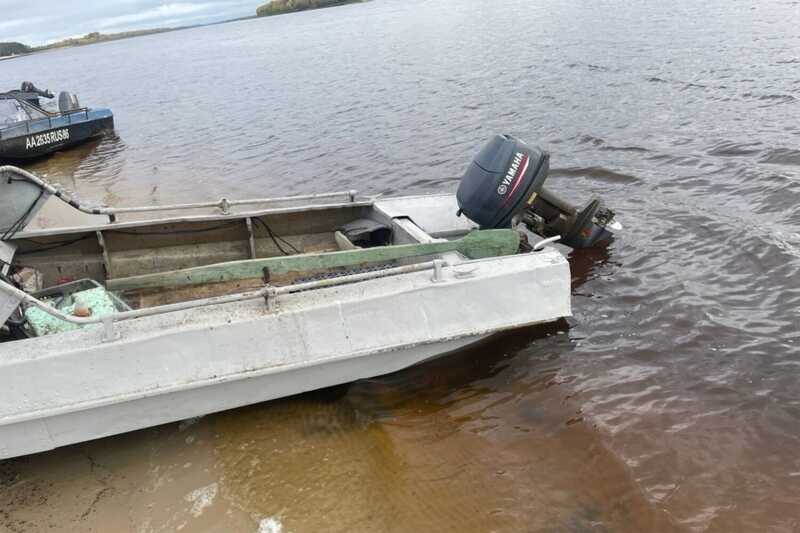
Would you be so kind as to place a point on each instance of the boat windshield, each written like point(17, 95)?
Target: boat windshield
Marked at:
point(10, 112)
point(13, 111)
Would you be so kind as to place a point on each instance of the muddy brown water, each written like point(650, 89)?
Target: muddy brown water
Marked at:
point(669, 402)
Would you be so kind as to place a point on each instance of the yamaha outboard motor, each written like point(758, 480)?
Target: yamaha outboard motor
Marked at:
point(504, 185)
point(67, 102)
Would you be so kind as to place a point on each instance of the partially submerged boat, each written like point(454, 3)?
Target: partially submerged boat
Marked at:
point(28, 130)
point(117, 323)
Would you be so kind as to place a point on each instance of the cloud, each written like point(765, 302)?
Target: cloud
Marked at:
point(159, 13)
point(43, 21)
point(11, 24)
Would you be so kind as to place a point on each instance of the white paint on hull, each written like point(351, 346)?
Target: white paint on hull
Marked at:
point(42, 434)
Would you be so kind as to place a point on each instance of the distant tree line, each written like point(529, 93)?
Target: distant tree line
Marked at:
point(276, 7)
point(97, 37)
point(10, 49)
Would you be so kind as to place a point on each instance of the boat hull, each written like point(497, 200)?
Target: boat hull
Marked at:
point(73, 387)
point(41, 435)
point(44, 137)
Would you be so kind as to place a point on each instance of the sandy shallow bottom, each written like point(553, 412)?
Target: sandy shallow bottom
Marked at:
point(414, 451)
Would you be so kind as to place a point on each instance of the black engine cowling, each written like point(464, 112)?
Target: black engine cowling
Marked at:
point(504, 185)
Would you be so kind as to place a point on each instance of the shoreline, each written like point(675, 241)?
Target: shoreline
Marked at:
point(75, 42)
point(288, 10)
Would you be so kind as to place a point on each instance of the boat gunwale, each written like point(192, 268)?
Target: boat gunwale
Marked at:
point(215, 217)
point(268, 291)
point(12, 95)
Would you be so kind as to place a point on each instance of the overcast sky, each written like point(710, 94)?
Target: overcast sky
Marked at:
point(35, 22)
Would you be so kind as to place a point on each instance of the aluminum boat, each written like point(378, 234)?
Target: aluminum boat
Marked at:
point(131, 317)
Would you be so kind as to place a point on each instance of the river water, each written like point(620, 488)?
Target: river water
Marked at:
point(669, 402)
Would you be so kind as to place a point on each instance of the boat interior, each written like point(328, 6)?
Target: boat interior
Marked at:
point(220, 249)
point(122, 266)
point(20, 108)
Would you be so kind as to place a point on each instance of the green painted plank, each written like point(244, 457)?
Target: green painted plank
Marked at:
point(476, 245)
